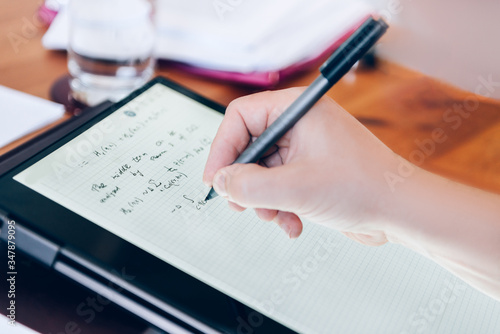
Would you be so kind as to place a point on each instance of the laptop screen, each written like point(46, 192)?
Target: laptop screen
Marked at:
point(137, 174)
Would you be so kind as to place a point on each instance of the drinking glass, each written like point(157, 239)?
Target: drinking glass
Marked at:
point(110, 50)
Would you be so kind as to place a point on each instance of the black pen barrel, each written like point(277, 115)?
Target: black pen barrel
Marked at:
point(285, 121)
point(355, 47)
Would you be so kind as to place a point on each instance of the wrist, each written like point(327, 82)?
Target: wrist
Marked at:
point(407, 204)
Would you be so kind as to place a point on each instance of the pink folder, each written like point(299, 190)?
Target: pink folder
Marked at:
point(46, 15)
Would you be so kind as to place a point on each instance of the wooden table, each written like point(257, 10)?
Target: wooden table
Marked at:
point(400, 106)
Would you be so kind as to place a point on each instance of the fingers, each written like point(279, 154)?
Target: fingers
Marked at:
point(235, 207)
point(290, 223)
point(275, 159)
point(266, 214)
point(245, 118)
point(254, 186)
point(287, 221)
point(375, 239)
point(231, 140)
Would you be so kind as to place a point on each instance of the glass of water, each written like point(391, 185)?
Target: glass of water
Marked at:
point(110, 49)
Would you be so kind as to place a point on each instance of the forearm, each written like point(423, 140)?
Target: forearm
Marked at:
point(455, 225)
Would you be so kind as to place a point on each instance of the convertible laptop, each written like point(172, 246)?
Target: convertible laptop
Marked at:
point(119, 191)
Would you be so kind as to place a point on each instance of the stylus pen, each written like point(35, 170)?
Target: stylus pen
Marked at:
point(339, 63)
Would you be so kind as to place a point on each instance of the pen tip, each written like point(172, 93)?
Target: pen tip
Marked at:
point(211, 194)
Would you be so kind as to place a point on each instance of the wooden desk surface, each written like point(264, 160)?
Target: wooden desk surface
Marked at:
point(401, 107)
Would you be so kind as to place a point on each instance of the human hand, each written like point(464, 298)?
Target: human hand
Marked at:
point(328, 168)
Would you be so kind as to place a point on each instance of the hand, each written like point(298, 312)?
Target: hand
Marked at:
point(328, 168)
point(331, 170)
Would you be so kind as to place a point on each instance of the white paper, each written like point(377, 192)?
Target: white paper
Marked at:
point(138, 175)
point(22, 114)
point(247, 36)
point(15, 328)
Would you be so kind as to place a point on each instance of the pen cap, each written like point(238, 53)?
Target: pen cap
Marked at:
point(353, 49)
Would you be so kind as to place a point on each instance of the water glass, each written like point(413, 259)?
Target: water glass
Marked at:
point(110, 50)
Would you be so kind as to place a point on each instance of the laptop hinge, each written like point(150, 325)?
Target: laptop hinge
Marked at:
point(118, 298)
point(27, 241)
point(121, 283)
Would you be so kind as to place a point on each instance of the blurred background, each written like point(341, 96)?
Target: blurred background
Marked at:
point(452, 40)
point(261, 42)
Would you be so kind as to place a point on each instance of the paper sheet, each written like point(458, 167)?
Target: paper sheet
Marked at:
point(21, 114)
point(241, 36)
point(16, 328)
point(138, 175)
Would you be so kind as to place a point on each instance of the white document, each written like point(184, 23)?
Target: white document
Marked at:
point(241, 36)
point(21, 114)
point(138, 174)
point(6, 326)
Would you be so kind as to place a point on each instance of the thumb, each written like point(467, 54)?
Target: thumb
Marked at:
point(254, 186)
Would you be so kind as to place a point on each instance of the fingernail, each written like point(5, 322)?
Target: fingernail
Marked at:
point(294, 234)
point(206, 182)
point(287, 229)
point(220, 184)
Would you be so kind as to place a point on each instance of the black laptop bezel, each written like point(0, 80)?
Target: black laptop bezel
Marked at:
point(149, 273)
